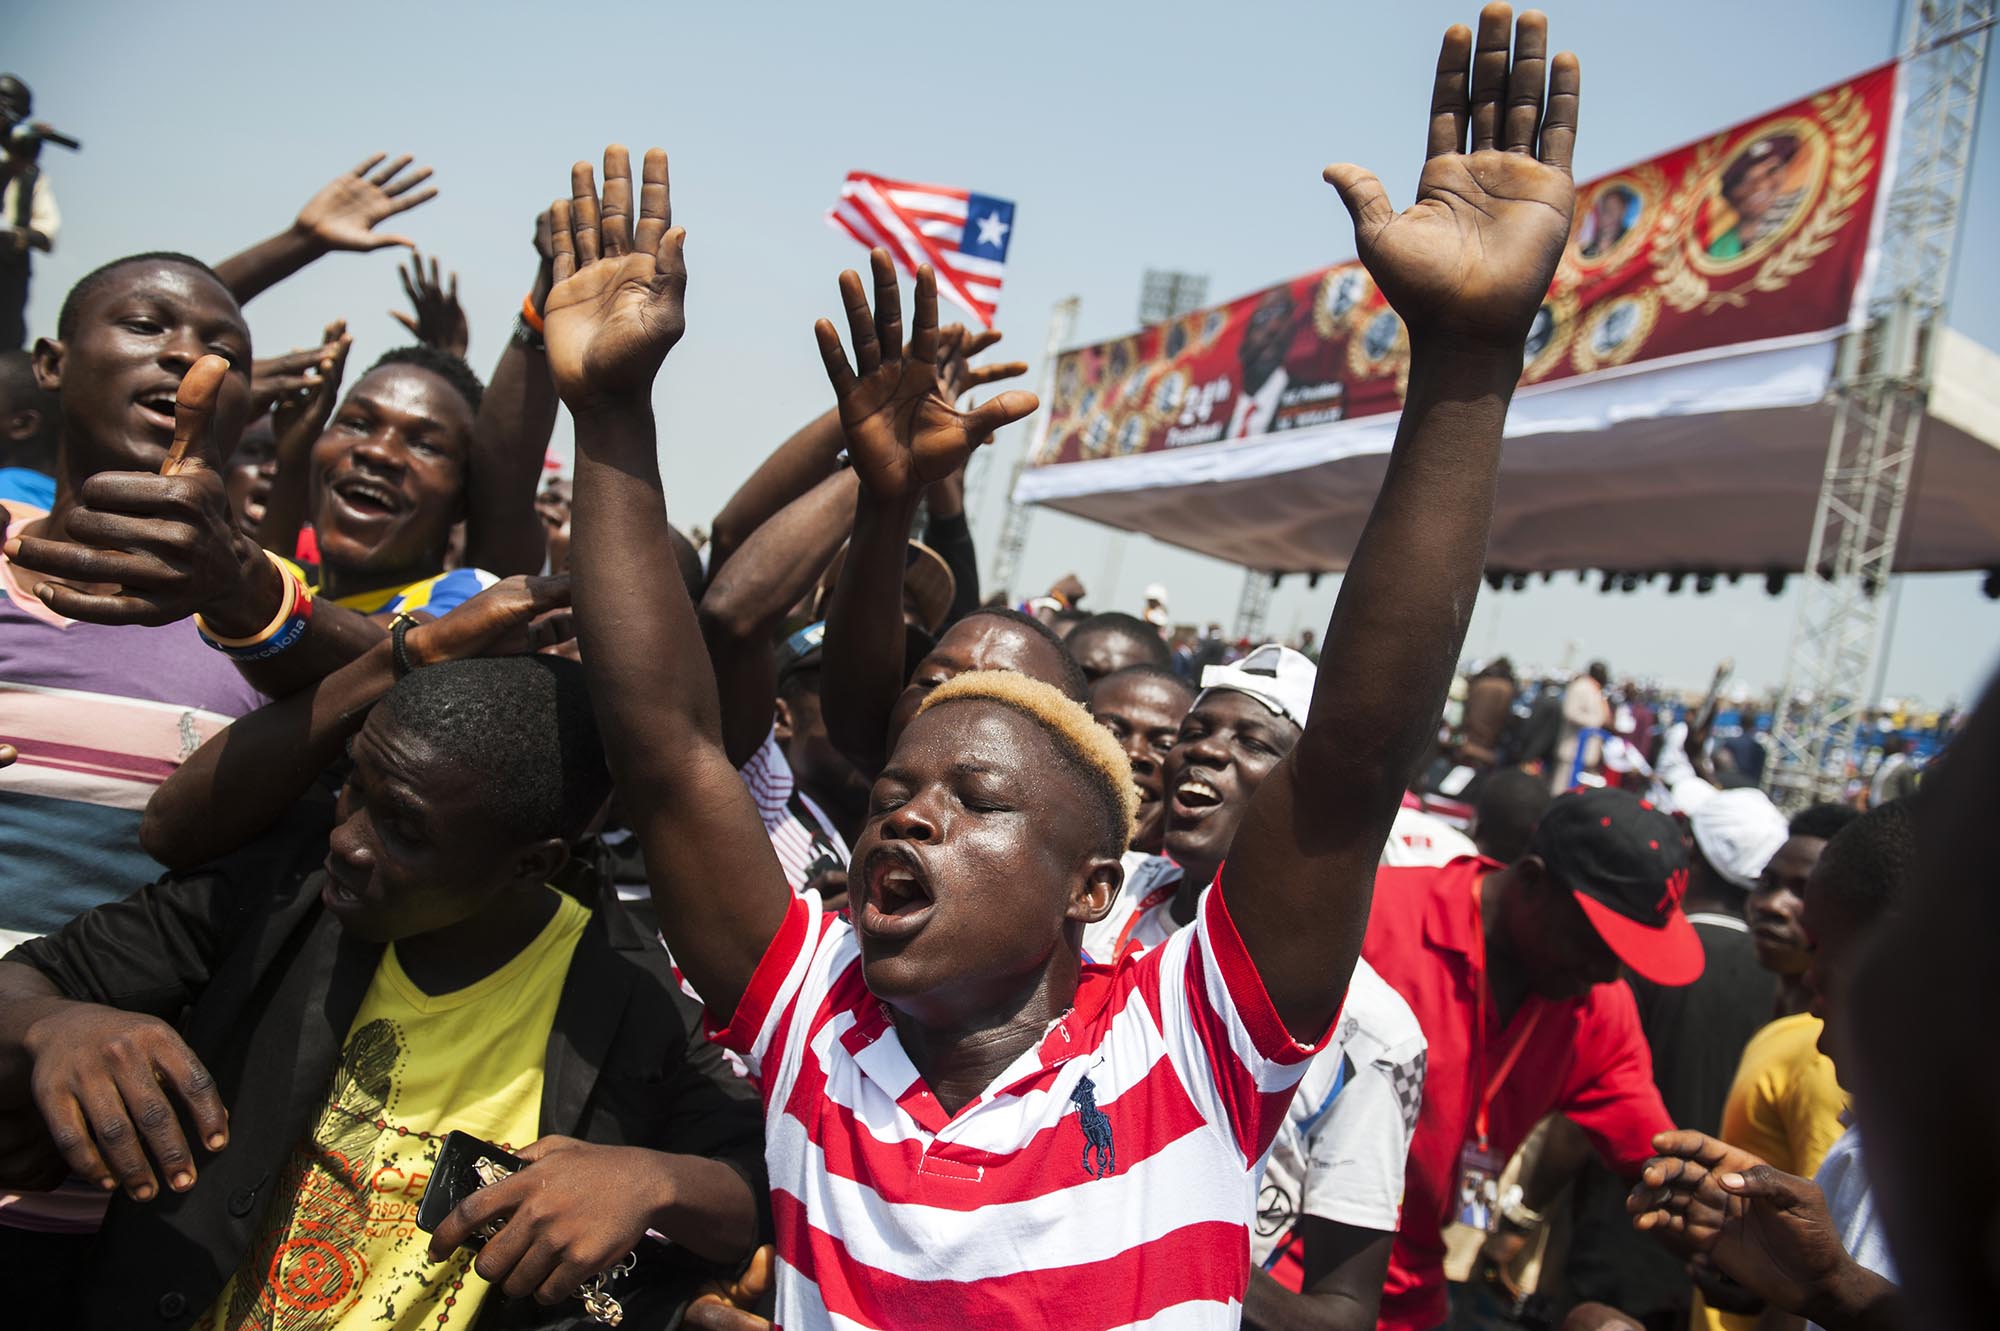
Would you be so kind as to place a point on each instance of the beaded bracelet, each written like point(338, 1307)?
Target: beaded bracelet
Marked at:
point(283, 632)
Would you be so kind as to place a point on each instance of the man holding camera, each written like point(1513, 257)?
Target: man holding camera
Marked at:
point(28, 215)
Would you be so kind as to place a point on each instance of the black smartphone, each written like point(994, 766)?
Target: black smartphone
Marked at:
point(465, 1164)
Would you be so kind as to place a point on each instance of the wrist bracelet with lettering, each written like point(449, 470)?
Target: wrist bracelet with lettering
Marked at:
point(284, 631)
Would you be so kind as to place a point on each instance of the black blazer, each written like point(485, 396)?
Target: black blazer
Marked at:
point(263, 984)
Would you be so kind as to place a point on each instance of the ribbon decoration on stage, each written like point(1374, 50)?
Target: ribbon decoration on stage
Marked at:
point(1760, 235)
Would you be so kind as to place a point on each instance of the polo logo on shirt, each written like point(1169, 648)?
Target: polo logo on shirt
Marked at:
point(1096, 1130)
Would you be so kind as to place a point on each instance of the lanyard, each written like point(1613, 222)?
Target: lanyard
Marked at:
point(1489, 1087)
point(1153, 898)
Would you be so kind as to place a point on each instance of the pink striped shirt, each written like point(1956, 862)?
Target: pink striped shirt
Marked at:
point(1106, 1179)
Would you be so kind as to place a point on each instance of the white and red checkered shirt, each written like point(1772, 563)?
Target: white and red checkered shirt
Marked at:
point(800, 831)
point(1105, 1179)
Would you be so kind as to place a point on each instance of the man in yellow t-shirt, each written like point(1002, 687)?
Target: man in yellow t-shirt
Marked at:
point(423, 978)
point(1785, 1103)
point(415, 1066)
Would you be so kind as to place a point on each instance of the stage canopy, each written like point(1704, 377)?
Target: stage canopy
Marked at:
point(1672, 470)
point(1674, 411)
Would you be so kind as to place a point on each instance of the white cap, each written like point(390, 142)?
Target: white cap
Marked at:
point(1157, 592)
point(1276, 676)
point(1738, 832)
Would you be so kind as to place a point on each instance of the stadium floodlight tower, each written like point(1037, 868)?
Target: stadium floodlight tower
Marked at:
point(1880, 391)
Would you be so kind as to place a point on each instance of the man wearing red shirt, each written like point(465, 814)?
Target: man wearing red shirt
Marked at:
point(1513, 974)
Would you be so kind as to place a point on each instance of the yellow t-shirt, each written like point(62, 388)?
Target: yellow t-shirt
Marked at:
point(341, 1250)
point(1784, 1106)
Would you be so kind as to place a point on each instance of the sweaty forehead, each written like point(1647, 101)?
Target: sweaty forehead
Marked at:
point(976, 732)
point(988, 642)
point(415, 394)
point(1139, 697)
point(188, 290)
point(393, 751)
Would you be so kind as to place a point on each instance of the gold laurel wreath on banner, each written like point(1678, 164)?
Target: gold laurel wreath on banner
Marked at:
point(1844, 121)
point(1325, 322)
point(1586, 356)
point(1359, 363)
point(1646, 181)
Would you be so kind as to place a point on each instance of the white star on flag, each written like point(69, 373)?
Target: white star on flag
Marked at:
point(960, 233)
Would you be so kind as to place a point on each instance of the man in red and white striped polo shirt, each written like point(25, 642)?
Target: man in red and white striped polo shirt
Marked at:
point(968, 1125)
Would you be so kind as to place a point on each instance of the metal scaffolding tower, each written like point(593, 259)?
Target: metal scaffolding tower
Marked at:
point(1880, 391)
point(1253, 606)
point(1014, 526)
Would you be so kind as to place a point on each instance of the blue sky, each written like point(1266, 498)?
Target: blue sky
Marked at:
point(1130, 135)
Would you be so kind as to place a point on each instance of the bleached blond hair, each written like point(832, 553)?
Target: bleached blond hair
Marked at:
point(1088, 744)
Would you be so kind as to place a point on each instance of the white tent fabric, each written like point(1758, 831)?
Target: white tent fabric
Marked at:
point(1710, 464)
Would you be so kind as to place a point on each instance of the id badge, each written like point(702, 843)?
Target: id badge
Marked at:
point(1478, 1186)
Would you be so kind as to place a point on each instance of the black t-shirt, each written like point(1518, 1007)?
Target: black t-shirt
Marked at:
point(1697, 1033)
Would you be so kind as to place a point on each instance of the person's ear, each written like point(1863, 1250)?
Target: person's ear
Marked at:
point(781, 720)
point(536, 865)
point(23, 425)
point(48, 361)
point(1092, 894)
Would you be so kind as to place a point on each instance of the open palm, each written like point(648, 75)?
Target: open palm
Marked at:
point(903, 429)
point(1473, 257)
point(616, 309)
point(343, 215)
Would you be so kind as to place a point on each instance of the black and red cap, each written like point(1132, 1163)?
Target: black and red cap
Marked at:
point(1627, 866)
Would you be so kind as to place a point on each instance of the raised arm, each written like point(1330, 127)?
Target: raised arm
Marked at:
point(614, 314)
point(904, 431)
point(748, 597)
point(296, 423)
point(503, 533)
point(341, 216)
point(1465, 268)
point(809, 455)
point(805, 459)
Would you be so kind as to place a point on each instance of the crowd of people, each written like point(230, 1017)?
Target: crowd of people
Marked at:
point(439, 896)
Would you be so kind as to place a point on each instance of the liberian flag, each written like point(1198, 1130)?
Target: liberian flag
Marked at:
point(960, 234)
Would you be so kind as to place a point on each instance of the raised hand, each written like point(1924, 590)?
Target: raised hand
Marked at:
point(439, 320)
point(1472, 259)
point(344, 214)
point(957, 347)
point(277, 380)
point(903, 429)
point(298, 417)
point(616, 309)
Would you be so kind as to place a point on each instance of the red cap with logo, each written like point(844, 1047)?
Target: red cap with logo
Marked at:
point(1627, 866)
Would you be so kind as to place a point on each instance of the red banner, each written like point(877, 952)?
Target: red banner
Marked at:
point(1755, 234)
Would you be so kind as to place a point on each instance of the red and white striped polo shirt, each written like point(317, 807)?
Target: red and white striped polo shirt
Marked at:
point(1106, 1179)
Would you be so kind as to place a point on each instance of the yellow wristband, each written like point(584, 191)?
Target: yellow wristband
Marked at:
point(294, 591)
